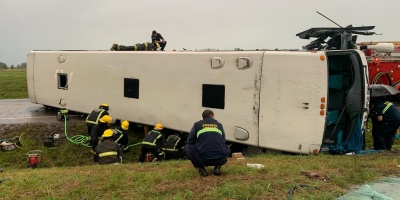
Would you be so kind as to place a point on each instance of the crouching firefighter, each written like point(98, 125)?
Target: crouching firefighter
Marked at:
point(121, 136)
point(93, 118)
point(108, 151)
point(206, 144)
point(96, 134)
point(153, 143)
point(174, 147)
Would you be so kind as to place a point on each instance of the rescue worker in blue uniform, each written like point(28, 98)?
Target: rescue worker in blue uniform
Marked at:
point(206, 144)
point(157, 38)
point(97, 132)
point(93, 118)
point(121, 135)
point(108, 151)
point(387, 122)
point(153, 143)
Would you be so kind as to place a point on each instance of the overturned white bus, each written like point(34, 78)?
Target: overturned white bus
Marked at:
point(292, 101)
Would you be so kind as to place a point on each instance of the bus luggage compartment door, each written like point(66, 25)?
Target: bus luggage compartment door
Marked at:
point(292, 101)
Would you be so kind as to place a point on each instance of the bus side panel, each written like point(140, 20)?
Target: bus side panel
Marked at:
point(30, 77)
point(366, 91)
point(170, 86)
point(292, 87)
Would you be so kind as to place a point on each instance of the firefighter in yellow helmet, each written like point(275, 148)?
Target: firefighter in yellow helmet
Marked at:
point(93, 118)
point(153, 143)
point(96, 133)
point(121, 135)
point(108, 151)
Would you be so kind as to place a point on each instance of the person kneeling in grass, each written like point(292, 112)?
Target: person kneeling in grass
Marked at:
point(109, 152)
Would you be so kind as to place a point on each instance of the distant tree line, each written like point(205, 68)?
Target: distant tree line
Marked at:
point(19, 66)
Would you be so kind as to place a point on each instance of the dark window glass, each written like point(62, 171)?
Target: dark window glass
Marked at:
point(62, 81)
point(131, 88)
point(213, 96)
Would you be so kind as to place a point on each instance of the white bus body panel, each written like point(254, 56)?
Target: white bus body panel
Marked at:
point(292, 86)
point(30, 77)
point(170, 86)
point(276, 99)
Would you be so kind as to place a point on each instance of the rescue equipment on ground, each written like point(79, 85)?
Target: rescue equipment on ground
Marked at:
point(7, 146)
point(150, 157)
point(51, 140)
point(62, 115)
point(11, 144)
point(82, 139)
point(34, 158)
point(76, 139)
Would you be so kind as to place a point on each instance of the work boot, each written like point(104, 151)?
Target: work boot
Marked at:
point(217, 170)
point(203, 171)
point(114, 47)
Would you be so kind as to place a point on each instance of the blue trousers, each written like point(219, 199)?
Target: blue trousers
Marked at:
point(194, 156)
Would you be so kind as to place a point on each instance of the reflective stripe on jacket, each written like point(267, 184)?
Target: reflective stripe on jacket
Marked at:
point(94, 116)
point(152, 137)
point(388, 104)
point(110, 153)
point(120, 135)
point(172, 143)
point(205, 130)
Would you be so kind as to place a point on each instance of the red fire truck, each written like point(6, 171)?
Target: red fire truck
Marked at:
point(383, 62)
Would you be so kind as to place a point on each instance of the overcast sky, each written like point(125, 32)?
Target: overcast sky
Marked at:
point(220, 24)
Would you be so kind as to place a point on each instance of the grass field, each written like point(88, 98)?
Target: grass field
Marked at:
point(13, 84)
point(67, 172)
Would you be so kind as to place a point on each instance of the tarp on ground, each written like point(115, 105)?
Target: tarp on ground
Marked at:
point(354, 144)
point(386, 189)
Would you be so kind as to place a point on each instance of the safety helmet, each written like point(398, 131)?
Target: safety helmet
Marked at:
point(104, 106)
point(125, 125)
point(108, 133)
point(106, 119)
point(158, 126)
